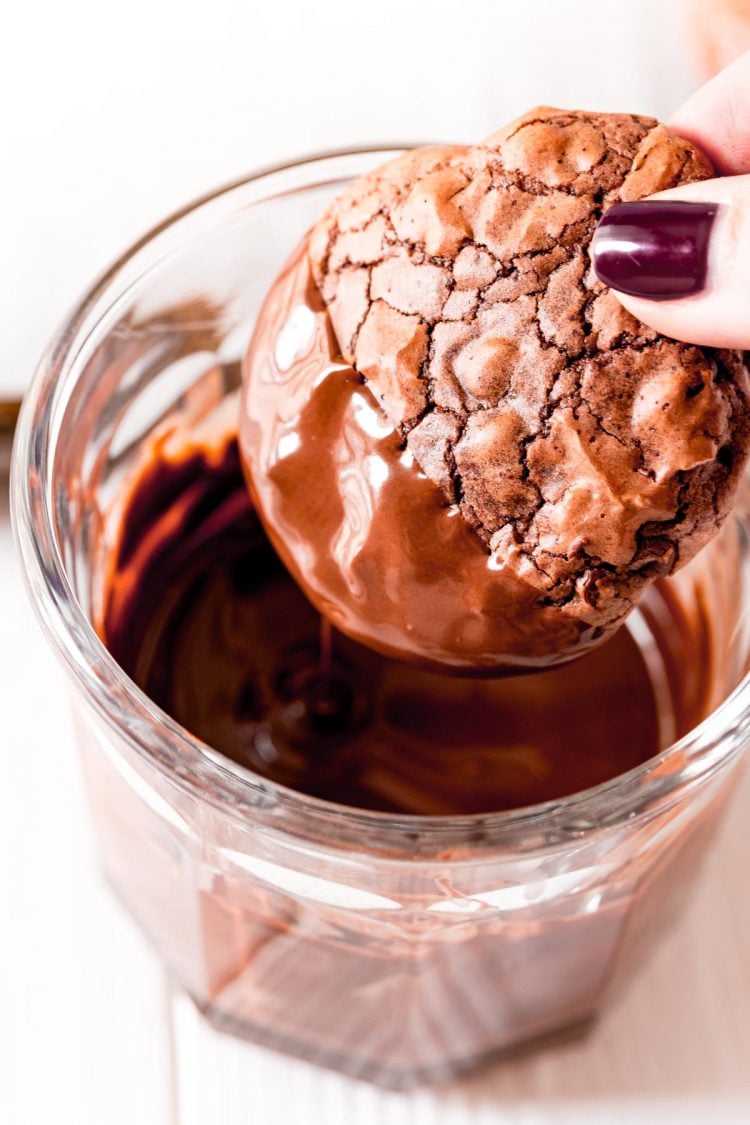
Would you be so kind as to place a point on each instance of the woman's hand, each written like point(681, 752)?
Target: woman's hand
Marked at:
point(680, 261)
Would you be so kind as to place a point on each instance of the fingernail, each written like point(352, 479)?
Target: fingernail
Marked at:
point(653, 248)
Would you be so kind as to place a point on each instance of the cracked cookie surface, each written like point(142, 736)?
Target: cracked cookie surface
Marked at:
point(588, 453)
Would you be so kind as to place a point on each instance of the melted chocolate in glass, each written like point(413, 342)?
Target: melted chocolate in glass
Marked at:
point(202, 614)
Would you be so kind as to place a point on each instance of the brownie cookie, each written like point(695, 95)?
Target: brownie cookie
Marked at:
point(588, 453)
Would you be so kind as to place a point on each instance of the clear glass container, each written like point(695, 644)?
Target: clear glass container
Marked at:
point(401, 949)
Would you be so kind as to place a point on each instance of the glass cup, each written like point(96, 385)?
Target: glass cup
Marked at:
point(401, 949)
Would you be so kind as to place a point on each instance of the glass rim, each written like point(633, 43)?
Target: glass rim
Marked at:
point(202, 771)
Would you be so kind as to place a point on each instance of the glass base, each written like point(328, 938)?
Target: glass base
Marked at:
point(392, 1078)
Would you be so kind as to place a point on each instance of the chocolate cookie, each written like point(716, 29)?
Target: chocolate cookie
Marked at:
point(589, 453)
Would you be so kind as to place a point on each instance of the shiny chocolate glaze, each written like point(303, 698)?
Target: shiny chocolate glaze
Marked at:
point(365, 534)
point(201, 612)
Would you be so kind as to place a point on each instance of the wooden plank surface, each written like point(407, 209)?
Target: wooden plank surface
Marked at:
point(83, 1028)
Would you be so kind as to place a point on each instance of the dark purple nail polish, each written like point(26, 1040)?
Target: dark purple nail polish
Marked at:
point(653, 248)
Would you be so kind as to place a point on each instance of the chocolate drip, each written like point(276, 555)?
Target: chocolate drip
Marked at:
point(203, 615)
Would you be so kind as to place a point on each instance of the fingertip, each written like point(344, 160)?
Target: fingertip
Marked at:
point(715, 118)
point(691, 320)
point(679, 270)
point(655, 248)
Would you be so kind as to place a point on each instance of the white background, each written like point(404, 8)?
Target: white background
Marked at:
point(112, 115)
point(109, 118)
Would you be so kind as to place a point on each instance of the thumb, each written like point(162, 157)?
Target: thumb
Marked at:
point(680, 260)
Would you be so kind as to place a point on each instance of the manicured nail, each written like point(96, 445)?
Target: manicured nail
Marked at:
point(654, 248)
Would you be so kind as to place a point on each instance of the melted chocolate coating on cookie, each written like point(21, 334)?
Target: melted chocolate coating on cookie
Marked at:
point(585, 454)
point(203, 615)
